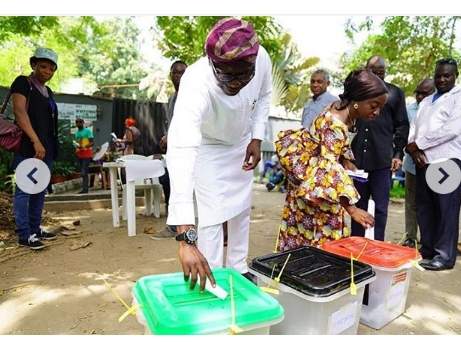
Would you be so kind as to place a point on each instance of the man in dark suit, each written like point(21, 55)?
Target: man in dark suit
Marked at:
point(378, 149)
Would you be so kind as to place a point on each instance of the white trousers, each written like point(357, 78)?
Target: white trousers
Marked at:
point(211, 239)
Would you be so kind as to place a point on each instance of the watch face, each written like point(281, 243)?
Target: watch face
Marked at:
point(191, 235)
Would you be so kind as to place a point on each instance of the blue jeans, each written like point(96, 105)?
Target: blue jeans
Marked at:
point(28, 207)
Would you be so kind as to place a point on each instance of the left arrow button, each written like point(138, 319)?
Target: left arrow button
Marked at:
point(31, 178)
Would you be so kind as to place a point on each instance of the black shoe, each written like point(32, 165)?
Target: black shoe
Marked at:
point(409, 243)
point(251, 277)
point(47, 236)
point(32, 242)
point(83, 192)
point(434, 265)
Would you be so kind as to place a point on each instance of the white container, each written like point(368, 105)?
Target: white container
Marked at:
point(306, 315)
point(262, 329)
point(387, 296)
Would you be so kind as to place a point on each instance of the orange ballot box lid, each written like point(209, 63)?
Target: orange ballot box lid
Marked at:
point(376, 253)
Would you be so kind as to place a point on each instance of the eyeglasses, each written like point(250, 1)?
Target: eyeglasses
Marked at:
point(224, 77)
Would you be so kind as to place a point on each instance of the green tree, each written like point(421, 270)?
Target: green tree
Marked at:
point(295, 71)
point(184, 37)
point(25, 26)
point(63, 34)
point(104, 52)
point(410, 45)
point(111, 57)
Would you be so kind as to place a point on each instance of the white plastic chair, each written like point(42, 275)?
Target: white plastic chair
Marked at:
point(152, 194)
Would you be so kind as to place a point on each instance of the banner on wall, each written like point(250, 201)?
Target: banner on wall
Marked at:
point(73, 111)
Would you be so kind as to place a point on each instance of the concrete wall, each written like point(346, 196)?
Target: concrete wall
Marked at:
point(274, 126)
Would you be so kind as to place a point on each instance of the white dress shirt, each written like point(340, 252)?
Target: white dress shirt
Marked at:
point(207, 140)
point(437, 127)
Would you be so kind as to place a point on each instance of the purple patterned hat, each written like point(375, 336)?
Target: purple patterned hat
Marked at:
point(231, 39)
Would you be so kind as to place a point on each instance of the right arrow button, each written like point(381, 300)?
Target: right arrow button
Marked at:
point(445, 175)
point(451, 176)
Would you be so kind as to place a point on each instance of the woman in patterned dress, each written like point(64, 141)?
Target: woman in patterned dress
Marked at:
point(315, 162)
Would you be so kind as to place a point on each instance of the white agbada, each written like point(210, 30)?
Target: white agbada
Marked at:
point(207, 143)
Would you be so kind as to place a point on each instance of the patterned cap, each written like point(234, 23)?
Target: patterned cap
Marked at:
point(231, 39)
point(45, 54)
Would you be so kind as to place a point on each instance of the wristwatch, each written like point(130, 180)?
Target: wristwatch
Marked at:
point(189, 236)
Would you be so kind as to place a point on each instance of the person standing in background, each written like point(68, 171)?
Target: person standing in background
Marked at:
point(424, 89)
point(378, 149)
point(176, 72)
point(319, 189)
point(436, 136)
point(36, 113)
point(84, 142)
point(131, 136)
point(321, 97)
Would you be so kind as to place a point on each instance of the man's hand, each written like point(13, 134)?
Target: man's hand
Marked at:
point(411, 148)
point(396, 164)
point(253, 153)
point(163, 143)
point(419, 158)
point(348, 165)
point(193, 263)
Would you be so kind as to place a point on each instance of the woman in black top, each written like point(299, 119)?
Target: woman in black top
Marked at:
point(36, 114)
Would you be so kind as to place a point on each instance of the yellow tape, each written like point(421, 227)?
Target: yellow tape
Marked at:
point(273, 286)
point(362, 251)
point(415, 261)
point(417, 266)
point(234, 329)
point(129, 310)
point(270, 290)
point(283, 268)
point(353, 285)
point(278, 239)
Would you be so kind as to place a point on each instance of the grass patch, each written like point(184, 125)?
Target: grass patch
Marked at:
point(397, 191)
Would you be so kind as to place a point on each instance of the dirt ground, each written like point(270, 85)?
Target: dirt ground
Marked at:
point(61, 291)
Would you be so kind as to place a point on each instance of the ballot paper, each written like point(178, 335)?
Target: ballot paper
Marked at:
point(359, 175)
point(370, 232)
point(217, 291)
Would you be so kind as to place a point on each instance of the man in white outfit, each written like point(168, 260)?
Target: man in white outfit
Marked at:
point(214, 143)
point(435, 135)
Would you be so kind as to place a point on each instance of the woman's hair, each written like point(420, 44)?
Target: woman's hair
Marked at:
point(361, 84)
point(130, 122)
